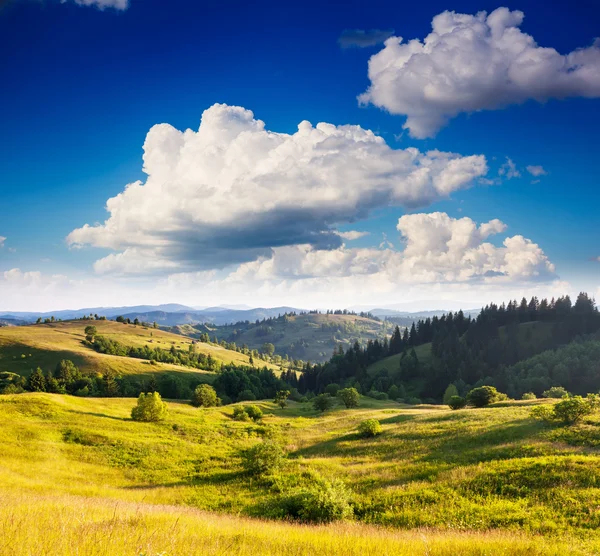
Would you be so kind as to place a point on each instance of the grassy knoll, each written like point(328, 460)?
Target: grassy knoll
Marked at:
point(23, 348)
point(486, 481)
point(392, 363)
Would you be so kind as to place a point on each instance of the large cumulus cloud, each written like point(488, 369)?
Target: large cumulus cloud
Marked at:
point(474, 62)
point(232, 191)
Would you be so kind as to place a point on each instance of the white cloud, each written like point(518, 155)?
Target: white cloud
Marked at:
point(232, 191)
point(536, 170)
point(474, 62)
point(2, 240)
point(352, 235)
point(103, 4)
point(358, 38)
point(509, 170)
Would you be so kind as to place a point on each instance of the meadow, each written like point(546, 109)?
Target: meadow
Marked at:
point(78, 472)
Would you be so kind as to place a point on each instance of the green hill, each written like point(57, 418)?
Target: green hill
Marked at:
point(77, 475)
point(23, 348)
point(308, 336)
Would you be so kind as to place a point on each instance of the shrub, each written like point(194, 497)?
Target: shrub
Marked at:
point(393, 392)
point(323, 402)
point(457, 402)
point(413, 401)
point(528, 396)
point(281, 398)
point(349, 396)
point(254, 412)
point(204, 395)
point(263, 458)
point(370, 428)
point(482, 396)
point(572, 410)
point(322, 502)
point(149, 408)
point(557, 392)
point(239, 413)
point(332, 389)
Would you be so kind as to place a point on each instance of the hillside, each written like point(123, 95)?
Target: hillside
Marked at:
point(306, 336)
point(23, 348)
point(480, 481)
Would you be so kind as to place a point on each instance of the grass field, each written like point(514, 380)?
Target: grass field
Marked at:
point(23, 348)
point(486, 481)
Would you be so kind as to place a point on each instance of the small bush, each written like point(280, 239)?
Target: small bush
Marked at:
point(323, 402)
point(376, 395)
point(370, 428)
point(349, 396)
point(264, 458)
point(149, 408)
point(482, 396)
point(568, 411)
point(414, 401)
point(204, 395)
point(457, 402)
point(254, 412)
point(332, 389)
point(239, 413)
point(556, 392)
point(529, 396)
point(451, 392)
point(323, 502)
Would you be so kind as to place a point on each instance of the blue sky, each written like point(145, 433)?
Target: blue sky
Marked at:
point(82, 87)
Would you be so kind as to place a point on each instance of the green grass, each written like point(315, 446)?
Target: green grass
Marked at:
point(475, 470)
point(23, 348)
point(392, 363)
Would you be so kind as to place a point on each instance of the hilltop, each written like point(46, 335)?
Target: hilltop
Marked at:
point(306, 336)
point(23, 348)
point(478, 480)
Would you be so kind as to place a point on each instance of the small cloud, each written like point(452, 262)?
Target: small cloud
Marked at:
point(536, 170)
point(102, 4)
point(386, 243)
point(509, 170)
point(358, 38)
point(2, 240)
point(352, 235)
point(533, 182)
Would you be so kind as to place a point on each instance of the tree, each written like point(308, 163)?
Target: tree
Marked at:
point(254, 412)
point(482, 396)
point(268, 349)
point(323, 402)
point(456, 402)
point(450, 392)
point(36, 381)
point(136, 321)
point(91, 330)
point(557, 392)
point(281, 398)
point(349, 396)
point(370, 428)
point(204, 395)
point(332, 389)
point(149, 408)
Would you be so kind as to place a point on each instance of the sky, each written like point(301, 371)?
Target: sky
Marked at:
point(311, 154)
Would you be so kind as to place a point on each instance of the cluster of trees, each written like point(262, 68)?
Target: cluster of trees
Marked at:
point(473, 352)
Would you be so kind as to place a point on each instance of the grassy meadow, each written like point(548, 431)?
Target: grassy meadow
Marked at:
point(78, 472)
point(23, 348)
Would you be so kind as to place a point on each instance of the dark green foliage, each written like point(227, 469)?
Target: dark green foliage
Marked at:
point(482, 396)
point(349, 396)
point(281, 398)
point(451, 392)
point(456, 402)
point(246, 396)
point(91, 330)
point(332, 389)
point(370, 428)
point(149, 408)
point(11, 383)
point(323, 402)
point(254, 412)
point(36, 381)
point(204, 396)
point(322, 502)
point(263, 458)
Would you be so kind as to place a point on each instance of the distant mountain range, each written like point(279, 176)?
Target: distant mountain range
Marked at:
point(173, 314)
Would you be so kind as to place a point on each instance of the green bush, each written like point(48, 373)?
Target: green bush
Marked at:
point(263, 458)
point(370, 428)
point(254, 412)
point(457, 402)
point(322, 502)
point(204, 395)
point(376, 395)
point(349, 396)
point(568, 411)
point(528, 396)
point(482, 396)
point(414, 401)
point(239, 413)
point(149, 408)
point(323, 402)
point(557, 392)
point(332, 389)
point(451, 392)
point(281, 398)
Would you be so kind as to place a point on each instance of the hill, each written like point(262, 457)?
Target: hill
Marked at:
point(79, 476)
point(305, 336)
point(23, 348)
